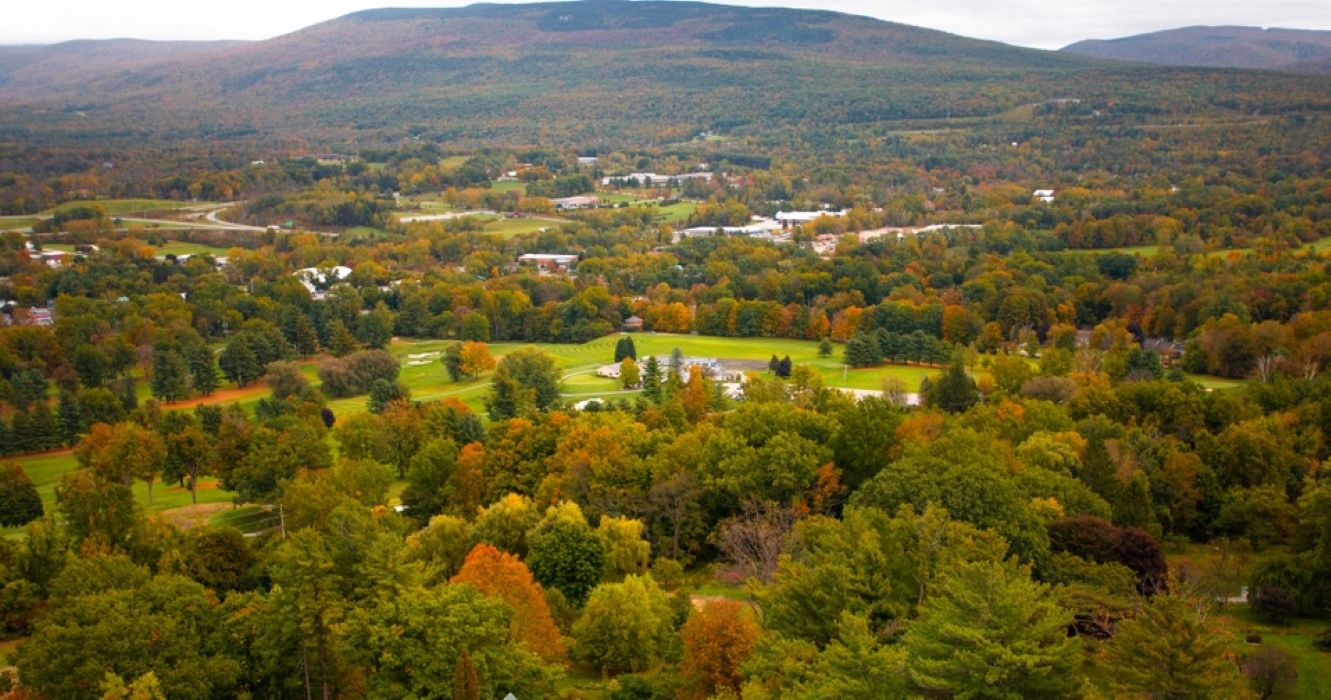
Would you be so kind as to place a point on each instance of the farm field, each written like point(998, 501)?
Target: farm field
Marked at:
point(509, 186)
point(1294, 638)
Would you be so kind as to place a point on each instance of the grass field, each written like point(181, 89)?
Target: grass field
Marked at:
point(9, 223)
point(170, 248)
point(1294, 638)
point(46, 469)
point(509, 186)
point(515, 227)
point(121, 207)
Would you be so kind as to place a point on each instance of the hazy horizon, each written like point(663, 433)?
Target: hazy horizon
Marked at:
point(1032, 23)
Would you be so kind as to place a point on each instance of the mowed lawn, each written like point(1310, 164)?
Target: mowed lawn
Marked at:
point(46, 469)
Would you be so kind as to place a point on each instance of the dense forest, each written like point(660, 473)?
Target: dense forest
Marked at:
point(1026, 400)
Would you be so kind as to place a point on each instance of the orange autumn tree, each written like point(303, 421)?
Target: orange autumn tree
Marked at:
point(501, 575)
point(717, 640)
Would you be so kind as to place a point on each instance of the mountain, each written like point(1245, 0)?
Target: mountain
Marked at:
point(36, 67)
point(1220, 47)
point(596, 71)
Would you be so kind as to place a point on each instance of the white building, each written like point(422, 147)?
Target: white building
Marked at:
point(797, 218)
point(578, 202)
point(549, 262)
point(316, 278)
point(653, 179)
point(1045, 196)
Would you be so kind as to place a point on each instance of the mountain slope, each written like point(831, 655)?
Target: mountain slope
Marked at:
point(1221, 47)
point(591, 72)
point(38, 67)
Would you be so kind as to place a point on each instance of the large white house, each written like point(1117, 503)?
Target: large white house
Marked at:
point(793, 218)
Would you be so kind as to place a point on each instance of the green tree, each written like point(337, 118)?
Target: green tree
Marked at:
point(525, 380)
point(624, 348)
point(238, 361)
point(988, 631)
point(625, 627)
point(568, 556)
point(651, 379)
point(430, 479)
point(375, 329)
point(628, 373)
point(128, 626)
point(954, 391)
point(340, 340)
point(384, 392)
point(1172, 648)
point(475, 326)
point(825, 347)
point(862, 350)
point(19, 502)
point(202, 367)
point(170, 376)
point(452, 360)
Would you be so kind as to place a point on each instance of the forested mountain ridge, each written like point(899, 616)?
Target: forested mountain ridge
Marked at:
point(586, 72)
point(1220, 47)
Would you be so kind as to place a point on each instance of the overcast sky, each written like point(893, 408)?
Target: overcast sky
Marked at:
point(1039, 23)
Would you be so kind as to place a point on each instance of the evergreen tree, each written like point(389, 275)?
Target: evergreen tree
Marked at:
point(955, 391)
point(340, 340)
point(452, 360)
point(8, 444)
point(238, 361)
point(1172, 649)
point(20, 426)
point(774, 364)
point(384, 392)
point(202, 367)
point(71, 423)
point(825, 347)
point(376, 328)
point(862, 351)
point(989, 626)
point(624, 348)
point(170, 377)
point(45, 427)
point(674, 380)
point(19, 502)
point(651, 379)
point(783, 367)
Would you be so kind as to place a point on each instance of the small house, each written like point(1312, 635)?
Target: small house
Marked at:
point(632, 324)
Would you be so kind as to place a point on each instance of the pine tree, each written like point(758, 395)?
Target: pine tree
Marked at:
point(8, 444)
point(1172, 649)
point(990, 626)
point(45, 428)
point(773, 364)
point(202, 367)
point(825, 347)
point(783, 367)
point(170, 377)
point(376, 328)
point(955, 391)
point(340, 340)
point(651, 379)
point(238, 361)
point(20, 426)
point(624, 348)
point(71, 424)
point(862, 351)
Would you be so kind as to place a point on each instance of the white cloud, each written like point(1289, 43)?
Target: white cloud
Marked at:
point(1040, 23)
